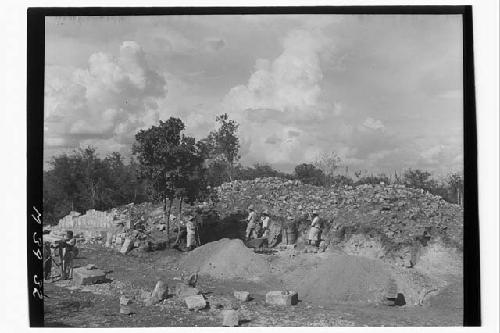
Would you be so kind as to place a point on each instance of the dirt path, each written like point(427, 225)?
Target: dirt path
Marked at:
point(98, 305)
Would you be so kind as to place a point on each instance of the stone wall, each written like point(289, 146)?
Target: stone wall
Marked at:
point(92, 220)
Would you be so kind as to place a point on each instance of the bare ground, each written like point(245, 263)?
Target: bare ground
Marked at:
point(133, 274)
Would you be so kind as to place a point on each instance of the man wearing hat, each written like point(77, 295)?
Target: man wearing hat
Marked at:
point(252, 223)
point(265, 223)
point(191, 233)
point(315, 230)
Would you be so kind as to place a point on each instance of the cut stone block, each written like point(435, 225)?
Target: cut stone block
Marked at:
point(161, 291)
point(230, 318)
point(84, 276)
point(243, 296)
point(196, 302)
point(125, 309)
point(282, 298)
point(183, 290)
point(127, 246)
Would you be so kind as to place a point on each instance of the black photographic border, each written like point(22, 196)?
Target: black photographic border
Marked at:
point(35, 123)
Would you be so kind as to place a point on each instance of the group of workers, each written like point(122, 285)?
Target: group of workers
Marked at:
point(255, 228)
point(66, 251)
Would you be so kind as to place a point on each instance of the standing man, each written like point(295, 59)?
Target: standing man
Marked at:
point(47, 261)
point(67, 247)
point(191, 233)
point(265, 223)
point(252, 223)
point(315, 230)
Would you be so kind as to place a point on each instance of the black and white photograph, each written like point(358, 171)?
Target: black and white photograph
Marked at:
point(254, 168)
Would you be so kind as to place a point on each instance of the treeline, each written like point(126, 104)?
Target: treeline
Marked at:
point(167, 165)
point(450, 188)
point(81, 180)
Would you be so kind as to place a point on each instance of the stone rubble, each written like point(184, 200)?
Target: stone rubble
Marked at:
point(86, 276)
point(243, 296)
point(282, 298)
point(392, 215)
point(195, 302)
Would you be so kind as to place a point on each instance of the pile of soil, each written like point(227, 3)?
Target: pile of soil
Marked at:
point(325, 278)
point(227, 259)
point(336, 278)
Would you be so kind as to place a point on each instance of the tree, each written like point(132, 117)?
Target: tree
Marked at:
point(223, 144)
point(418, 179)
point(81, 180)
point(172, 162)
point(328, 163)
point(309, 174)
point(258, 171)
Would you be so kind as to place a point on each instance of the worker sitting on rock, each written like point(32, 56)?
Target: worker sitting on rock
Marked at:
point(191, 233)
point(315, 230)
point(252, 223)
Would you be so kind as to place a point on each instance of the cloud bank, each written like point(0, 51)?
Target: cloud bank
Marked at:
point(104, 104)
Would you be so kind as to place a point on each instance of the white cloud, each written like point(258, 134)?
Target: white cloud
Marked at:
point(109, 100)
point(290, 83)
point(280, 97)
point(373, 124)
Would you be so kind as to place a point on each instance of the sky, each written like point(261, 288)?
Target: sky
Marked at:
point(384, 92)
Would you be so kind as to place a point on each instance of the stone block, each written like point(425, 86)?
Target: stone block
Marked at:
point(195, 302)
point(161, 291)
point(182, 290)
point(125, 309)
point(127, 246)
point(230, 318)
point(84, 276)
point(243, 296)
point(285, 298)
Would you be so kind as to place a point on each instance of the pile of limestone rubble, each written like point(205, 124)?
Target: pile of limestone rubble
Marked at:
point(388, 222)
point(391, 222)
point(141, 226)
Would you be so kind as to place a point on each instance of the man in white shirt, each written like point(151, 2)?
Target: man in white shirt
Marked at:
point(191, 233)
point(265, 223)
point(315, 230)
point(252, 223)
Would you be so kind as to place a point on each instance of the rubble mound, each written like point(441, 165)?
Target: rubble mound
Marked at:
point(227, 259)
point(388, 222)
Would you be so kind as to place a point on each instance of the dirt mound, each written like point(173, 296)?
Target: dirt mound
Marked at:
point(325, 278)
point(439, 261)
point(227, 259)
point(339, 278)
